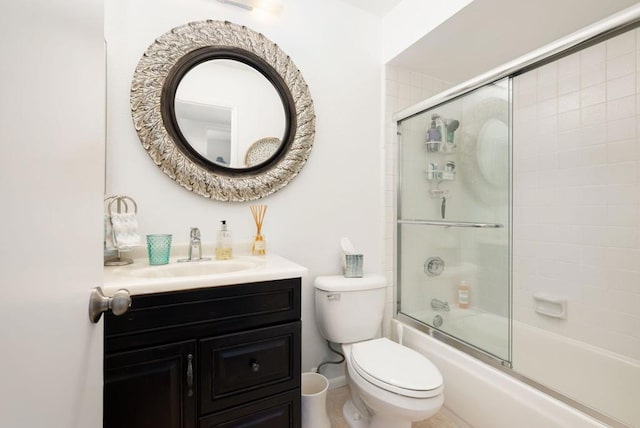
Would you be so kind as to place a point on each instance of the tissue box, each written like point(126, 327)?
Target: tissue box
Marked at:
point(353, 265)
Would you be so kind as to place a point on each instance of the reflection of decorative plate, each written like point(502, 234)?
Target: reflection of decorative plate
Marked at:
point(484, 148)
point(261, 150)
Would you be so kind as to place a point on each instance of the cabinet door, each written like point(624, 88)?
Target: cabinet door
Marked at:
point(151, 387)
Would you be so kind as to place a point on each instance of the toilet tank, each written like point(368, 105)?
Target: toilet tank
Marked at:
point(350, 309)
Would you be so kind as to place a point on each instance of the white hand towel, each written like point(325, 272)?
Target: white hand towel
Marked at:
point(108, 234)
point(125, 230)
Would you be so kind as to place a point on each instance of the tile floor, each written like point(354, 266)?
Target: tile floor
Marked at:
point(337, 397)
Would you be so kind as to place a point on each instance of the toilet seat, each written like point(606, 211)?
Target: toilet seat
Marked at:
point(396, 368)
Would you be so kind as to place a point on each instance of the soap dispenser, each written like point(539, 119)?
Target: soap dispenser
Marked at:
point(463, 295)
point(223, 243)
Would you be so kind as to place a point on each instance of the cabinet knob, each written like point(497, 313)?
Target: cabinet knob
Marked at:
point(255, 366)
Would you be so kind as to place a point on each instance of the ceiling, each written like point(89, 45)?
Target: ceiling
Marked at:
point(488, 33)
point(377, 7)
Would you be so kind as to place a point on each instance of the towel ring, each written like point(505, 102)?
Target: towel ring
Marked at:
point(121, 201)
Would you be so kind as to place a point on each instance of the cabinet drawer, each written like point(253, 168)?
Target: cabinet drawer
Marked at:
point(174, 316)
point(243, 367)
point(281, 411)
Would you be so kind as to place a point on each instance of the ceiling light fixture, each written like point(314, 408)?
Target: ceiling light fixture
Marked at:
point(244, 4)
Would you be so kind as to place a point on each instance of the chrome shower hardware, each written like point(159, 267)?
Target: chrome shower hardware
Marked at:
point(437, 321)
point(443, 195)
point(434, 266)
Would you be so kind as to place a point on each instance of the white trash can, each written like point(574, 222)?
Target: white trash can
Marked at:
point(314, 401)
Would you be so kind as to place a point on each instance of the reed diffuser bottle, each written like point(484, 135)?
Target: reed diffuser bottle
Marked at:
point(259, 247)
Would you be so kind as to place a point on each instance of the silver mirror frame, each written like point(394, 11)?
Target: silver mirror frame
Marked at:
point(147, 86)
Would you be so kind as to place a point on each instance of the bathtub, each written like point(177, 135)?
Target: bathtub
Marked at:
point(486, 397)
point(603, 380)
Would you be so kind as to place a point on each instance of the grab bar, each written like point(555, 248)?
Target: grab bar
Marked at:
point(452, 223)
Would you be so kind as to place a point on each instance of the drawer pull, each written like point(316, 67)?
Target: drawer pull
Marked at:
point(255, 366)
point(190, 375)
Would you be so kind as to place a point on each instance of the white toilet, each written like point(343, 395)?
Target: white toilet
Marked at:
point(391, 385)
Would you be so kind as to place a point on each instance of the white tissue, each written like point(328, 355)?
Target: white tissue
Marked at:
point(347, 246)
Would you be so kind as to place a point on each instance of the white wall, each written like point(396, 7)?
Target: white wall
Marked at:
point(410, 20)
point(338, 192)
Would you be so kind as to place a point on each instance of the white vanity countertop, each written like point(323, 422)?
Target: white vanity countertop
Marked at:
point(142, 278)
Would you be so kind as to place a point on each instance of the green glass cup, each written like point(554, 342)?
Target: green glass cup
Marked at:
point(159, 249)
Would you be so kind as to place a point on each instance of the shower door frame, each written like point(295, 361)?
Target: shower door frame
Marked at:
point(448, 338)
point(616, 24)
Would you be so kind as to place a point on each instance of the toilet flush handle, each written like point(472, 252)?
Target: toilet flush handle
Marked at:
point(333, 296)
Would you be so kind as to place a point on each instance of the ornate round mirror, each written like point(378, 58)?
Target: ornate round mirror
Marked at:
point(222, 111)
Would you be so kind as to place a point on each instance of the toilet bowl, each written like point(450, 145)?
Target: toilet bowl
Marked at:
point(397, 385)
point(391, 385)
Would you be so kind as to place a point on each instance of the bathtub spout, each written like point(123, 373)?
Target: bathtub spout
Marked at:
point(439, 305)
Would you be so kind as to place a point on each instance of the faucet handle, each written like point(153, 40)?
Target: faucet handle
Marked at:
point(195, 233)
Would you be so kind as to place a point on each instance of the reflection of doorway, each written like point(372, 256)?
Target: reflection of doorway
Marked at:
point(217, 144)
point(209, 130)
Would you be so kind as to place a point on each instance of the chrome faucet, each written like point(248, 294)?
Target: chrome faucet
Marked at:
point(195, 247)
point(439, 305)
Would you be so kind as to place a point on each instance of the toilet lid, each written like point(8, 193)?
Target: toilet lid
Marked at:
point(396, 368)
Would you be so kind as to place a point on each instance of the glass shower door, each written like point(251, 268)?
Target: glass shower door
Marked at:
point(453, 219)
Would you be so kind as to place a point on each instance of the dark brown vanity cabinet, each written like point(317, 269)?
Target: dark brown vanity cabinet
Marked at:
point(216, 357)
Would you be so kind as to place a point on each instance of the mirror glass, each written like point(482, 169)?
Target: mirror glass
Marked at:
point(230, 113)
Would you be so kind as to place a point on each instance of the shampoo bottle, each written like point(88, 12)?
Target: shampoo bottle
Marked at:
point(463, 295)
point(223, 243)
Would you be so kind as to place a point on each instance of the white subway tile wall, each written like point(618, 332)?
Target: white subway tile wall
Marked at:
point(577, 193)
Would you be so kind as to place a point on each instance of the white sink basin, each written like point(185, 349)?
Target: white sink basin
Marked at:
point(191, 269)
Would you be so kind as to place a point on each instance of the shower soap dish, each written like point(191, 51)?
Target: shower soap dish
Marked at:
point(551, 306)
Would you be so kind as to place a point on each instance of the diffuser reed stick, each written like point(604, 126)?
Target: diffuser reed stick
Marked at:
point(259, 246)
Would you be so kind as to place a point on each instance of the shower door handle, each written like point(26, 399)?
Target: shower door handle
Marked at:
point(453, 224)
